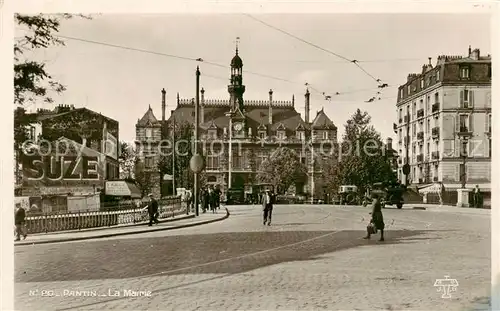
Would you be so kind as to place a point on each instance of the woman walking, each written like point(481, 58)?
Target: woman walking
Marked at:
point(377, 220)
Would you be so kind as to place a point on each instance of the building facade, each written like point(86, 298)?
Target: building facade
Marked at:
point(444, 123)
point(254, 129)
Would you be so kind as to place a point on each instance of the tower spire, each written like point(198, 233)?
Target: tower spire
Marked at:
point(237, 42)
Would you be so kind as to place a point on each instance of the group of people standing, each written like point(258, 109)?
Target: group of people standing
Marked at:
point(210, 198)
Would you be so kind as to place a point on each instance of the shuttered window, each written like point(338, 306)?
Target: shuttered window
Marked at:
point(466, 99)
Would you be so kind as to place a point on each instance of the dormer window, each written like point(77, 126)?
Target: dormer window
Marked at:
point(301, 135)
point(464, 73)
point(437, 75)
point(281, 134)
point(149, 133)
point(325, 135)
point(262, 134)
point(212, 134)
point(409, 89)
point(422, 83)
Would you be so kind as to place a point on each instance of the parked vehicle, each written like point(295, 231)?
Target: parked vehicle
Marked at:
point(348, 195)
point(391, 193)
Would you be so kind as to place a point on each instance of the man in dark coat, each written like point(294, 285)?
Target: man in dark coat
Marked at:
point(152, 210)
point(377, 219)
point(477, 197)
point(19, 220)
point(267, 206)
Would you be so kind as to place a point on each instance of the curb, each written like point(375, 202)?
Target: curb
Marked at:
point(419, 208)
point(125, 233)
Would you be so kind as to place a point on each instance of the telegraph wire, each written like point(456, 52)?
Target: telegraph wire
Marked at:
point(324, 94)
point(314, 45)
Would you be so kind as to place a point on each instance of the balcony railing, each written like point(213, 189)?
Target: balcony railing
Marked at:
point(420, 113)
point(435, 132)
point(420, 135)
point(464, 130)
point(435, 155)
point(420, 158)
point(435, 107)
point(38, 223)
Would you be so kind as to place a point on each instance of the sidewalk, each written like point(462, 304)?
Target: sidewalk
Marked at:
point(178, 222)
point(447, 208)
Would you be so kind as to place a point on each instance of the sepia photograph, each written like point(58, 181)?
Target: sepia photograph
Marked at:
point(252, 161)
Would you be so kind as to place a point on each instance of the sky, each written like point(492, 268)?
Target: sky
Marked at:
point(122, 83)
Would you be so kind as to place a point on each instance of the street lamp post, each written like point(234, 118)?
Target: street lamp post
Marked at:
point(174, 151)
point(464, 160)
point(230, 157)
point(196, 136)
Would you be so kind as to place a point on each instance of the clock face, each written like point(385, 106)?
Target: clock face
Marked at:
point(238, 126)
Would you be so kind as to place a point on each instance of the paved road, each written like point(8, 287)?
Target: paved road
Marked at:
point(312, 257)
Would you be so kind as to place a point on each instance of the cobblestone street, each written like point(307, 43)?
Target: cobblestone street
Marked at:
point(311, 257)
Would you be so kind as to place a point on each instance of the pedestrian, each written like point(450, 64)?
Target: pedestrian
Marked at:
point(217, 197)
point(19, 222)
point(188, 200)
point(204, 200)
point(267, 206)
point(477, 197)
point(152, 210)
point(377, 219)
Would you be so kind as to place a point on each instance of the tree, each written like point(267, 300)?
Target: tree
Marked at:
point(364, 160)
point(282, 169)
point(143, 178)
point(184, 177)
point(127, 160)
point(31, 79)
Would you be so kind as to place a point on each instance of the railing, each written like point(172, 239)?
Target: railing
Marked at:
point(464, 130)
point(168, 208)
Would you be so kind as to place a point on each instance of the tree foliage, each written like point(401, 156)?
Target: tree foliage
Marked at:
point(364, 160)
point(143, 178)
point(31, 79)
point(182, 151)
point(282, 169)
point(127, 160)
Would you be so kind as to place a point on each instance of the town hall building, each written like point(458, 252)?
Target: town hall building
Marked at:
point(254, 128)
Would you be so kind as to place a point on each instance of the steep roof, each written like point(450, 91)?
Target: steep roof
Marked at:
point(256, 114)
point(148, 119)
point(322, 121)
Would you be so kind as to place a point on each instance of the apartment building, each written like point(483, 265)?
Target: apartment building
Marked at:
point(444, 123)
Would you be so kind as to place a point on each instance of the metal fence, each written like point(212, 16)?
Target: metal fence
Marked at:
point(168, 208)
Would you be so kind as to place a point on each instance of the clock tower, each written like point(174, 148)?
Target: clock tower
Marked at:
point(236, 88)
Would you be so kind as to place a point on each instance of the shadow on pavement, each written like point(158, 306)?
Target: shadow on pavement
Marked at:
point(224, 253)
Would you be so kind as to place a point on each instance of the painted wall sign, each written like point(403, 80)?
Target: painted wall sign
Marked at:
point(118, 188)
point(61, 167)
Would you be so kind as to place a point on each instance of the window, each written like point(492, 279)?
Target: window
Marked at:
point(261, 157)
point(212, 162)
point(436, 98)
point(489, 123)
point(414, 129)
point(212, 134)
point(428, 149)
point(262, 135)
point(149, 162)
point(301, 135)
point(428, 125)
point(421, 104)
point(489, 147)
point(401, 113)
point(400, 135)
point(237, 160)
point(325, 135)
point(464, 123)
point(437, 75)
point(464, 73)
point(409, 89)
point(149, 133)
point(421, 83)
point(281, 135)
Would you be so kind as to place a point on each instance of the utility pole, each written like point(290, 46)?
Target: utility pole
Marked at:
point(196, 136)
point(174, 151)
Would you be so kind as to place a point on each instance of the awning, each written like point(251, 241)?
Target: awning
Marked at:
point(123, 189)
point(167, 177)
point(432, 188)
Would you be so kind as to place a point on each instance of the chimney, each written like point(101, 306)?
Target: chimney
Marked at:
point(270, 107)
point(202, 106)
point(430, 61)
point(306, 116)
point(163, 105)
point(475, 54)
point(470, 50)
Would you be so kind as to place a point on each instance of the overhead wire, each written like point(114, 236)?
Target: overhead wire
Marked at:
point(316, 46)
point(202, 61)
